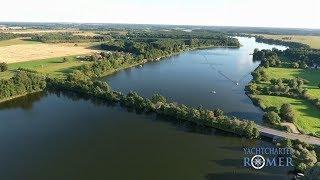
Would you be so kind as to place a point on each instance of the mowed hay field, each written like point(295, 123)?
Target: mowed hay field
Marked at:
point(312, 41)
point(28, 52)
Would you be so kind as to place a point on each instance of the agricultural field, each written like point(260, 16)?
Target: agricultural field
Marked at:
point(35, 51)
point(312, 41)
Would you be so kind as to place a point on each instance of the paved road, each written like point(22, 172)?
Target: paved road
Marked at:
point(268, 132)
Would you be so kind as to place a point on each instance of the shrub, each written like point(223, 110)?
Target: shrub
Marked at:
point(272, 108)
point(287, 113)
point(65, 59)
point(271, 118)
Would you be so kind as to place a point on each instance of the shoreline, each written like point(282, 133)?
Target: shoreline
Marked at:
point(18, 96)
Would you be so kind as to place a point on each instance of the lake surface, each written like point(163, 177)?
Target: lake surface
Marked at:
point(191, 78)
point(63, 136)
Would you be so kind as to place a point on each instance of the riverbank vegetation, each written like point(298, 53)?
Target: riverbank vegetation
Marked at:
point(121, 54)
point(289, 77)
point(21, 83)
point(80, 83)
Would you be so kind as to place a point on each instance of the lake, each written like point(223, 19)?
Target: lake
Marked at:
point(191, 78)
point(64, 136)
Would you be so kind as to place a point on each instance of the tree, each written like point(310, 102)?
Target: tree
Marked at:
point(271, 118)
point(287, 113)
point(218, 112)
point(156, 98)
point(3, 67)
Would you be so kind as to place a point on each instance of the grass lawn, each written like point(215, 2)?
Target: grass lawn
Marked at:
point(313, 76)
point(307, 116)
point(53, 67)
point(312, 41)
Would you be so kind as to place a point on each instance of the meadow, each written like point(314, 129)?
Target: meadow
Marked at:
point(307, 115)
point(53, 67)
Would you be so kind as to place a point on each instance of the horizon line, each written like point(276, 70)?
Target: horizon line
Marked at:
point(159, 24)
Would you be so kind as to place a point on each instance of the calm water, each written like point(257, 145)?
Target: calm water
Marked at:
point(59, 136)
point(191, 77)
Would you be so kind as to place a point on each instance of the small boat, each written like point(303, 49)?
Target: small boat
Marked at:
point(300, 175)
point(140, 65)
point(237, 84)
point(214, 92)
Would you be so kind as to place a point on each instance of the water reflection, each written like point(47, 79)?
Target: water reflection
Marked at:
point(24, 102)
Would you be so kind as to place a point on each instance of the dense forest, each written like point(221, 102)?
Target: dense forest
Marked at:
point(275, 57)
point(157, 44)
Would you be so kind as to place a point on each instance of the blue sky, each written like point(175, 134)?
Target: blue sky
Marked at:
point(261, 13)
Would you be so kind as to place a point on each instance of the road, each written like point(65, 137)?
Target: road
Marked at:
point(271, 133)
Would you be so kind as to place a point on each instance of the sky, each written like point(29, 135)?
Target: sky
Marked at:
point(253, 13)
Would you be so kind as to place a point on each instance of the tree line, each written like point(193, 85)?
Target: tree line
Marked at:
point(66, 37)
point(295, 58)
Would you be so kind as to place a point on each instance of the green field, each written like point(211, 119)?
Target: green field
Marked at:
point(307, 116)
point(53, 67)
point(313, 76)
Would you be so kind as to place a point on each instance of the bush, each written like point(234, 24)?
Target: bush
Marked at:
point(65, 59)
point(3, 67)
point(287, 113)
point(271, 118)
